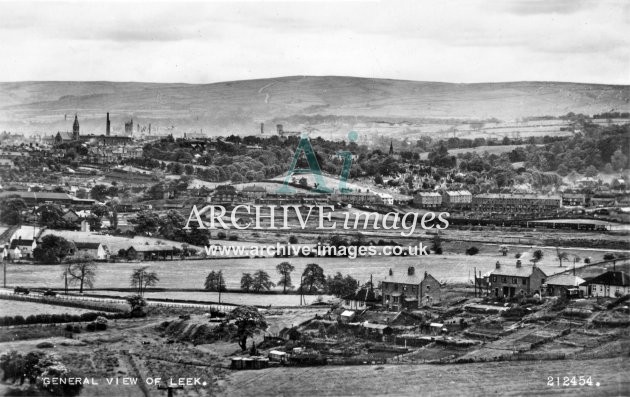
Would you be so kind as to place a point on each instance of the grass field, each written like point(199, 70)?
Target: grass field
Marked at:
point(227, 297)
point(19, 308)
point(497, 378)
point(191, 274)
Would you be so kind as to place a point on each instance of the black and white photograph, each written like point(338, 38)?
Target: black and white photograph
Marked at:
point(314, 198)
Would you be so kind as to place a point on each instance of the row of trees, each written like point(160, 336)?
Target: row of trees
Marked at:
point(312, 280)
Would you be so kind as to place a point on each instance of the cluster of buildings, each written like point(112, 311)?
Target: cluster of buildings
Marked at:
point(508, 281)
point(20, 243)
point(227, 194)
point(513, 202)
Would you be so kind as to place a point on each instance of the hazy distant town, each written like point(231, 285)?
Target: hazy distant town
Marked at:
point(97, 263)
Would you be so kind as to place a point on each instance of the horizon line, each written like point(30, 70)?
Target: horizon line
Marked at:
point(311, 76)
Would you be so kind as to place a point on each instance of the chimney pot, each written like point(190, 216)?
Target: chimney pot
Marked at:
point(498, 265)
point(518, 263)
point(391, 272)
point(411, 271)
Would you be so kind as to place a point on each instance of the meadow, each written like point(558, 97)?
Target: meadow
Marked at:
point(19, 308)
point(191, 274)
point(500, 378)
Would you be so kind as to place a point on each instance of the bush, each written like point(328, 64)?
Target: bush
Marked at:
point(221, 235)
point(472, 251)
point(293, 240)
point(609, 256)
point(233, 237)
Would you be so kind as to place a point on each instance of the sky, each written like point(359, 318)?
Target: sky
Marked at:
point(204, 42)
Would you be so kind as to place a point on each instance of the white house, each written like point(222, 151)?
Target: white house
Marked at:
point(609, 284)
point(92, 250)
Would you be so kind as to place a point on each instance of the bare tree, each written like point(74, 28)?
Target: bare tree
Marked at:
point(141, 279)
point(83, 273)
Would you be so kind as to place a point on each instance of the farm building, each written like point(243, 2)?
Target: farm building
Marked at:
point(565, 285)
point(149, 252)
point(509, 281)
point(409, 290)
point(610, 284)
point(93, 250)
point(25, 247)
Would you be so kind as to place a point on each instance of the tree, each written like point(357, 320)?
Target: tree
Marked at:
point(51, 216)
point(436, 245)
point(561, 256)
point(472, 251)
point(341, 286)
point(215, 282)
point(378, 179)
point(141, 279)
point(313, 278)
point(262, 281)
point(285, 269)
point(52, 249)
point(249, 321)
point(99, 192)
point(146, 222)
point(591, 171)
point(246, 282)
point(537, 256)
point(619, 160)
point(11, 211)
point(82, 272)
point(137, 304)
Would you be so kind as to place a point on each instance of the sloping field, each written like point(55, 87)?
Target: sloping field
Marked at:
point(497, 378)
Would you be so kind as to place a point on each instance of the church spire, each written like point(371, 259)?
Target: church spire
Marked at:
point(391, 147)
point(75, 128)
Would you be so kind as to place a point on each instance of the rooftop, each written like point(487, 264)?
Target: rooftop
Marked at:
point(620, 279)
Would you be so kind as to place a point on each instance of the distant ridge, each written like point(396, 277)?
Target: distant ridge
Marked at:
point(237, 105)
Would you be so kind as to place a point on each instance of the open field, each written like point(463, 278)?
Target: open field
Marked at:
point(502, 378)
point(192, 273)
point(20, 308)
point(226, 297)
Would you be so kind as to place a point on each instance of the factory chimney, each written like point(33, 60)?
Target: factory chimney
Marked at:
point(108, 128)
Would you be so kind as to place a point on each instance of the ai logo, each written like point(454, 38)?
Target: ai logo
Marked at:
point(313, 167)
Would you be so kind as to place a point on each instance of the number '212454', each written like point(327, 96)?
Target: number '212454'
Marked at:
point(567, 381)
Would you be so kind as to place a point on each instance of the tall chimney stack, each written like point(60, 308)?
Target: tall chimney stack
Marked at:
point(108, 129)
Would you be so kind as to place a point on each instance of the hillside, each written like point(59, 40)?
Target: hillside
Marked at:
point(296, 102)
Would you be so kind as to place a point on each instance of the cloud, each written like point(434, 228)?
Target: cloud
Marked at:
point(445, 40)
point(533, 7)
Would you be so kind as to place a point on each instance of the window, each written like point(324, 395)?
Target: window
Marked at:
point(396, 287)
point(542, 281)
point(405, 288)
point(504, 279)
point(513, 280)
point(494, 278)
point(524, 281)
